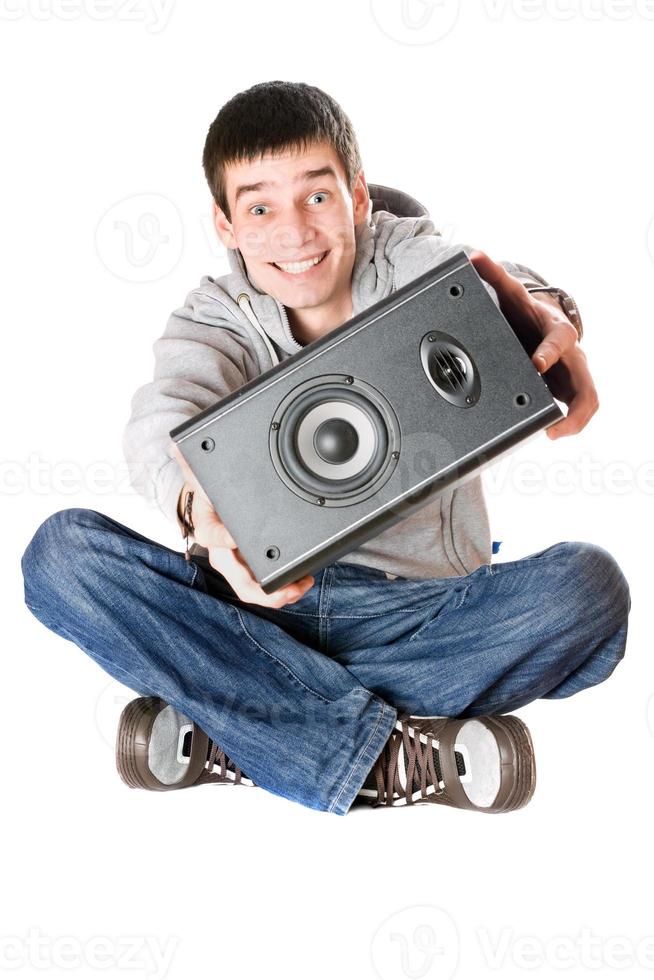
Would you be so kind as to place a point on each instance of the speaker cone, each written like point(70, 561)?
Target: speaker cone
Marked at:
point(334, 440)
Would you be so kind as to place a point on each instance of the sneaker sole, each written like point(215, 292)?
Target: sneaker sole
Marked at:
point(133, 739)
point(518, 756)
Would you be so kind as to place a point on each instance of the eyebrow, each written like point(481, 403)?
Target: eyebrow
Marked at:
point(306, 175)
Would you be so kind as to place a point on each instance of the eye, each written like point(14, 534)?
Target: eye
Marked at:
point(320, 194)
point(256, 206)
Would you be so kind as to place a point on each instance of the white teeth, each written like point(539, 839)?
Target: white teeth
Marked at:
point(295, 267)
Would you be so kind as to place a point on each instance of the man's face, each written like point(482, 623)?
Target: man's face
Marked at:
point(301, 210)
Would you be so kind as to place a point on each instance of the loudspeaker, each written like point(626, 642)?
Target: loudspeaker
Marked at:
point(367, 424)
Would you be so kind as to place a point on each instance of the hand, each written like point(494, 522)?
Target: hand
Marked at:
point(224, 556)
point(557, 355)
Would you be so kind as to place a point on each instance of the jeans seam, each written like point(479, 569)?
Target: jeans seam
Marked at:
point(323, 605)
point(344, 785)
point(409, 609)
point(464, 593)
point(278, 661)
point(500, 566)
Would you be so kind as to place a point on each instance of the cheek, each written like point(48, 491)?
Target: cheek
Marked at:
point(253, 244)
point(341, 239)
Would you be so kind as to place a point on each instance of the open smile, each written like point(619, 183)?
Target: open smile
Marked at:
point(300, 269)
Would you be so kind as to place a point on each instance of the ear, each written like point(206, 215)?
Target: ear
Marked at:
point(360, 199)
point(223, 227)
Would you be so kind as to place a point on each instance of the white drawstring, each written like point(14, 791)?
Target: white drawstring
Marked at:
point(243, 301)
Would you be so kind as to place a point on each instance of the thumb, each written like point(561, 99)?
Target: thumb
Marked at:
point(215, 534)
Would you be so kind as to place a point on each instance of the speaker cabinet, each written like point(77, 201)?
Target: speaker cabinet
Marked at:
point(367, 424)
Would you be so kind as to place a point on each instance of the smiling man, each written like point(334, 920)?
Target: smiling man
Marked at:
point(293, 218)
point(387, 678)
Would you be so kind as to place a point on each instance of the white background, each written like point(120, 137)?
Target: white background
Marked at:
point(525, 128)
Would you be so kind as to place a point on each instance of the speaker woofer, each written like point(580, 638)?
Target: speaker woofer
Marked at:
point(334, 440)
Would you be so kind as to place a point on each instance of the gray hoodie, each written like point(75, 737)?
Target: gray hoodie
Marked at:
point(229, 332)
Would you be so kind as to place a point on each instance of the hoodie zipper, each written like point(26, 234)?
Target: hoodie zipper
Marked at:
point(287, 328)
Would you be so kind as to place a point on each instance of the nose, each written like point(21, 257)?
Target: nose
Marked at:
point(294, 235)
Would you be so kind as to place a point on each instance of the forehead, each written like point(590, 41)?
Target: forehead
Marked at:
point(274, 171)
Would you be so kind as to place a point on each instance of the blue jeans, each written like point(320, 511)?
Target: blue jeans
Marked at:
point(303, 698)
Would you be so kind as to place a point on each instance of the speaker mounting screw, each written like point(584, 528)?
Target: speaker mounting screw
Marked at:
point(431, 338)
point(469, 399)
point(395, 454)
point(320, 500)
point(349, 380)
point(275, 426)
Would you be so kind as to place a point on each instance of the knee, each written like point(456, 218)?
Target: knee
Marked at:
point(599, 579)
point(59, 542)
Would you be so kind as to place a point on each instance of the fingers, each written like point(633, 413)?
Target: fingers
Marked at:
point(214, 535)
point(508, 287)
point(583, 404)
point(290, 593)
point(233, 566)
point(560, 339)
point(581, 410)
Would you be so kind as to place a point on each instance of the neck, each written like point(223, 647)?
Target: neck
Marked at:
point(307, 325)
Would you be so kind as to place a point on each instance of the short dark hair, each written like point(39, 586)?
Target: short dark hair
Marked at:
point(274, 117)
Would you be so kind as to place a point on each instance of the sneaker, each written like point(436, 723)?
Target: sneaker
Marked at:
point(159, 748)
point(485, 763)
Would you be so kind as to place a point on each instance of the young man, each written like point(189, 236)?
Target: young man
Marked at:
point(387, 677)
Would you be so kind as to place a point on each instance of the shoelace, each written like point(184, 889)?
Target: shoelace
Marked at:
point(416, 755)
point(225, 765)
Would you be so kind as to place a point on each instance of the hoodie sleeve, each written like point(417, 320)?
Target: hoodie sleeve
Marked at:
point(201, 357)
point(424, 247)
